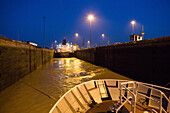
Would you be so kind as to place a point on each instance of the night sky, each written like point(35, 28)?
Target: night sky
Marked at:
point(64, 18)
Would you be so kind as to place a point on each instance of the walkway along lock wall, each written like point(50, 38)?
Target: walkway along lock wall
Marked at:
point(18, 59)
point(146, 61)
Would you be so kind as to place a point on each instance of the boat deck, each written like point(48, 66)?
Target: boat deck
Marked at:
point(101, 108)
point(102, 96)
point(104, 108)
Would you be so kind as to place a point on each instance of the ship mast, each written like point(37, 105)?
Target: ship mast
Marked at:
point(142, 31)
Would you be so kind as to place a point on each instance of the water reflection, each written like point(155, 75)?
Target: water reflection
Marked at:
point(71, 68)
point(53, 79)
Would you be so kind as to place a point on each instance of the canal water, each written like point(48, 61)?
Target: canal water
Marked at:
point(38, 91)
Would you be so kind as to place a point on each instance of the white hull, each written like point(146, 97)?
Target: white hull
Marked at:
point(83, 96)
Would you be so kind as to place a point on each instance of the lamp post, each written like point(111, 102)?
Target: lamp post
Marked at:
point(44, 30)
point(88, 44)
point(142, 31)
point(77, 35)
point(90, 17)
point(133, 24)
point(102, 39)
point(55, 44)
point(103, 36)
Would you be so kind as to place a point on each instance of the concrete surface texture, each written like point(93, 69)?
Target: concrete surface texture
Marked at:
point(18, 59)
point(146, 61)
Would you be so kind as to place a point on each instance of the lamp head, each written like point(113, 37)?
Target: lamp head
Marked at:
point(102, 35)
point(90, 17)
point(133, 22)
point(76, 34)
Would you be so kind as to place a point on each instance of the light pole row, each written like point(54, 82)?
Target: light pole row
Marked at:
point(44, 30)
point(90, 17)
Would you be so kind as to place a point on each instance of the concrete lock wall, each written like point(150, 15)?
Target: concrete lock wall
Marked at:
point(18, 59)
point(146, 61)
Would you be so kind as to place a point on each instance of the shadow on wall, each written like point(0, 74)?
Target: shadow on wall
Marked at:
point(146, 61)
point(18, 59)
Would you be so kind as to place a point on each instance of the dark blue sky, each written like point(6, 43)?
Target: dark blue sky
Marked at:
point(66, 17)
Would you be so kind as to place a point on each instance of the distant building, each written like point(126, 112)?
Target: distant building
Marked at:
point(135, 37)
point(66, 47)
point(64, 41)
point(75, 47)
point(32, 43)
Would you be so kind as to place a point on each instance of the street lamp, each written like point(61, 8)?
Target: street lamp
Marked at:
point(103, 39)
point(76, 34)
point(133, 23)
point(103, 36)
point(88, 44)
point(90, 17)
point(44, 29)
point(142, 31)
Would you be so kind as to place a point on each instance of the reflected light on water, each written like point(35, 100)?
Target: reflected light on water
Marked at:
point(68, 60)
point(55, 62)
point(59, 62)
point(54, 79)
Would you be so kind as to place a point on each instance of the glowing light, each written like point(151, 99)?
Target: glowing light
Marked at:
point(90, 17)
point(34, 44)
point(88, 42)
point(68, 61)
point(133, 25)
point(76, 34)
point(59, 62)
point(133, 22)
point(102, 35)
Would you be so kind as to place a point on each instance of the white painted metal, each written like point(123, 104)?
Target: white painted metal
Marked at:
point(102, 89)
point(132, 95)
point(79, 98)
point(153, 111)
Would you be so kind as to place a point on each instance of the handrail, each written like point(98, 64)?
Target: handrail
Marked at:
point(156, 90)
point(126, 99)
point(164, 110)
point(129, 90)
point(152, 85)
point(122, 104)
point(134, 93)
point(165, 97)
point(133, 87)
point(147, 97)
point(127, 82)
point(133, 101)
point(160, 100)
point(153, 111)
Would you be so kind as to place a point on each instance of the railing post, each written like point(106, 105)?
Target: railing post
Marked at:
point(160, 104)
point(133, 89)
point(133, 104)
point(120, 93)
point(153, 111)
